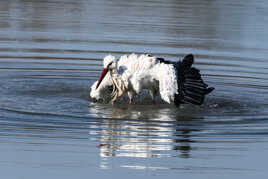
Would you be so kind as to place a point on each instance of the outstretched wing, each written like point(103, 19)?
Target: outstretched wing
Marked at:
point(180, 82)
point(191, 87)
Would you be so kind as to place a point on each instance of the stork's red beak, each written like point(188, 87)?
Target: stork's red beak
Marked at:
point(103, 73)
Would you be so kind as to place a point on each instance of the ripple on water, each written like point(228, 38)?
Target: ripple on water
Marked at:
point(51, 53)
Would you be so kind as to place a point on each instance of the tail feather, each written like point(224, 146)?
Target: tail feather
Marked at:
point(194, 92)
point(196, 84)
point(191, 87)
point(193, 101)
point(195, 81)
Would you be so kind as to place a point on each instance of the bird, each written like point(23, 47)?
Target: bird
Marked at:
point(176, 82)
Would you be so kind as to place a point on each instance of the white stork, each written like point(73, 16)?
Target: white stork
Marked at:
point(176, 83)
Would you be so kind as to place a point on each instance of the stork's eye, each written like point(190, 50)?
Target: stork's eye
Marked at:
point(109, 64)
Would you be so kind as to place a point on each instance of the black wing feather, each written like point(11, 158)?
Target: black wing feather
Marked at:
point(191, 87)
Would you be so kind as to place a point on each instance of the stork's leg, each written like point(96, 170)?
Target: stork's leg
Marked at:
point(130, 100)
point(153, 94)
point(130, 96)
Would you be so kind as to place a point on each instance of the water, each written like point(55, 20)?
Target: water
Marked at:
point(51, 52)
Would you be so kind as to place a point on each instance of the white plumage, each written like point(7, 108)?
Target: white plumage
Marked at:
point(131, 74)
point(136, 73)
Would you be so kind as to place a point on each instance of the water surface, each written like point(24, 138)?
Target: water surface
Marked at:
point(51, 53)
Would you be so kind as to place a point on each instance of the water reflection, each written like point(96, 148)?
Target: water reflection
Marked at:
point(140, 135)
point(135, 141)
point(183, 142)
point(145, 139)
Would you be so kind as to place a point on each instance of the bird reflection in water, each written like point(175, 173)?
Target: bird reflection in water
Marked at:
point(183, 142)
point(129, 133)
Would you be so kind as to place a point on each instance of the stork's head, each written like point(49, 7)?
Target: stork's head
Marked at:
point(109, 63)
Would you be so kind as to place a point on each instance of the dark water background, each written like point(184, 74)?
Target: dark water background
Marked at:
point(51, 52)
